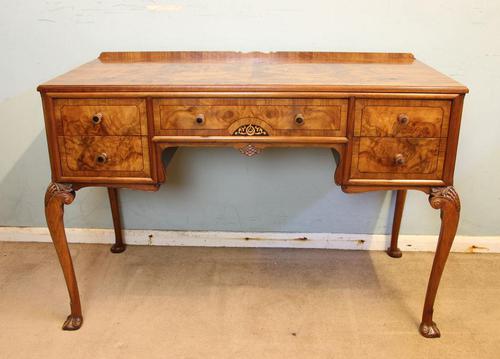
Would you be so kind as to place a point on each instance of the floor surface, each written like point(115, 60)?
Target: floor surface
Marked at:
point(180, 302)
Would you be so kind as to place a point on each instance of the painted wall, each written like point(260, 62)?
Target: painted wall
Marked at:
point(218, 189)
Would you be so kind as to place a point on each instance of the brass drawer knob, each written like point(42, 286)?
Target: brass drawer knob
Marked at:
point(97, 118)
point(399, 159)
point(101, 158)
point(200, 119)
point(403, 119)
point(299, 119)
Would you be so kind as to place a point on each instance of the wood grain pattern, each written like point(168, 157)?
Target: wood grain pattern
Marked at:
point(452, 143)
point(260, 72)
point(424, 118)
point(215, 93)
point(326, 117)
point(391, 121)
point(125, 156)
point(375, 157)
point(74, 117)
point(273, 56)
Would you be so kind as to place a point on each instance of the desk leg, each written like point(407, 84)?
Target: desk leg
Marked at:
point(393, 251)
point(445, 199)
point(119, 246)
point(56, 197)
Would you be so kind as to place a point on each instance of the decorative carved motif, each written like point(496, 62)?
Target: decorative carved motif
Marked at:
point(439, 195)
point(250, 150)
point(66, 192)
point(250, 130)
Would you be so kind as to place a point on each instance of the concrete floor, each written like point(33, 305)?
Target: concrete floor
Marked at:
point(173, 302)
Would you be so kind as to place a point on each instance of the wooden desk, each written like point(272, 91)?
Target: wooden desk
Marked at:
point(391, 121)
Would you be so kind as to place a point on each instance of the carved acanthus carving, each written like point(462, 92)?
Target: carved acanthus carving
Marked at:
point(65, 191)
point(441, 195)
point(250, 130)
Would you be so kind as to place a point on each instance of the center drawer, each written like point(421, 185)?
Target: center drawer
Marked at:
point(232, 117)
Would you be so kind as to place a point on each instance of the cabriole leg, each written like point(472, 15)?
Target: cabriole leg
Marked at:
point(119, 246)
point(56, 197)
point(393, 251)
point(445, 199)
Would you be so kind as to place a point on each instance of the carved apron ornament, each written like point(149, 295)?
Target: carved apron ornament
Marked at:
point(250, 150)
point(250, 130)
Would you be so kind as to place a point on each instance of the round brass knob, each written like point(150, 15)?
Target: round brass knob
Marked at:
point(97, 118)
point(299, 119)
point(403, 119)
point(101, 158)
point(399, 159)
point(200, 119)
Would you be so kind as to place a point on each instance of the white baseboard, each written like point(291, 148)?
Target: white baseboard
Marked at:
point(468, 244)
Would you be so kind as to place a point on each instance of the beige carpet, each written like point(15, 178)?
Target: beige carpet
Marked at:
point(173, 302)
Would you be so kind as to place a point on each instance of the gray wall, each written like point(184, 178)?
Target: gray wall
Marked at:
point(218, 189)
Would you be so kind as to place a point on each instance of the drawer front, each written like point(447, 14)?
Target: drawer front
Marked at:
point(102, 156)
point(402, 118)
point(101, 117)
point(397, 158)
point(226, 117)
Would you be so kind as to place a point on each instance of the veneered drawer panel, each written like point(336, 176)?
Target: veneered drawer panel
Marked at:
point(101, 117)
point(388, 158)
point(402, 118)
point(326, 117)
point(124, 156)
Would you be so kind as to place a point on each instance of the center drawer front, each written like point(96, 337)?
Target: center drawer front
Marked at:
point(101, 156)
point(304, 117)
point(402, 118)
point(101, 117)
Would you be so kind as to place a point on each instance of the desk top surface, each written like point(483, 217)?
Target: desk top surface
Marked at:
point(255, 71)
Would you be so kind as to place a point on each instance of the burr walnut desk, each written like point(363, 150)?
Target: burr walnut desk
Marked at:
point(391, 121)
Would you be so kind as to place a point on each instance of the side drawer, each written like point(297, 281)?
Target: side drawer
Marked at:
point(102, 156)
point(397, 158)
point(401, 118)
point(223, 117)
point(100, 117)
